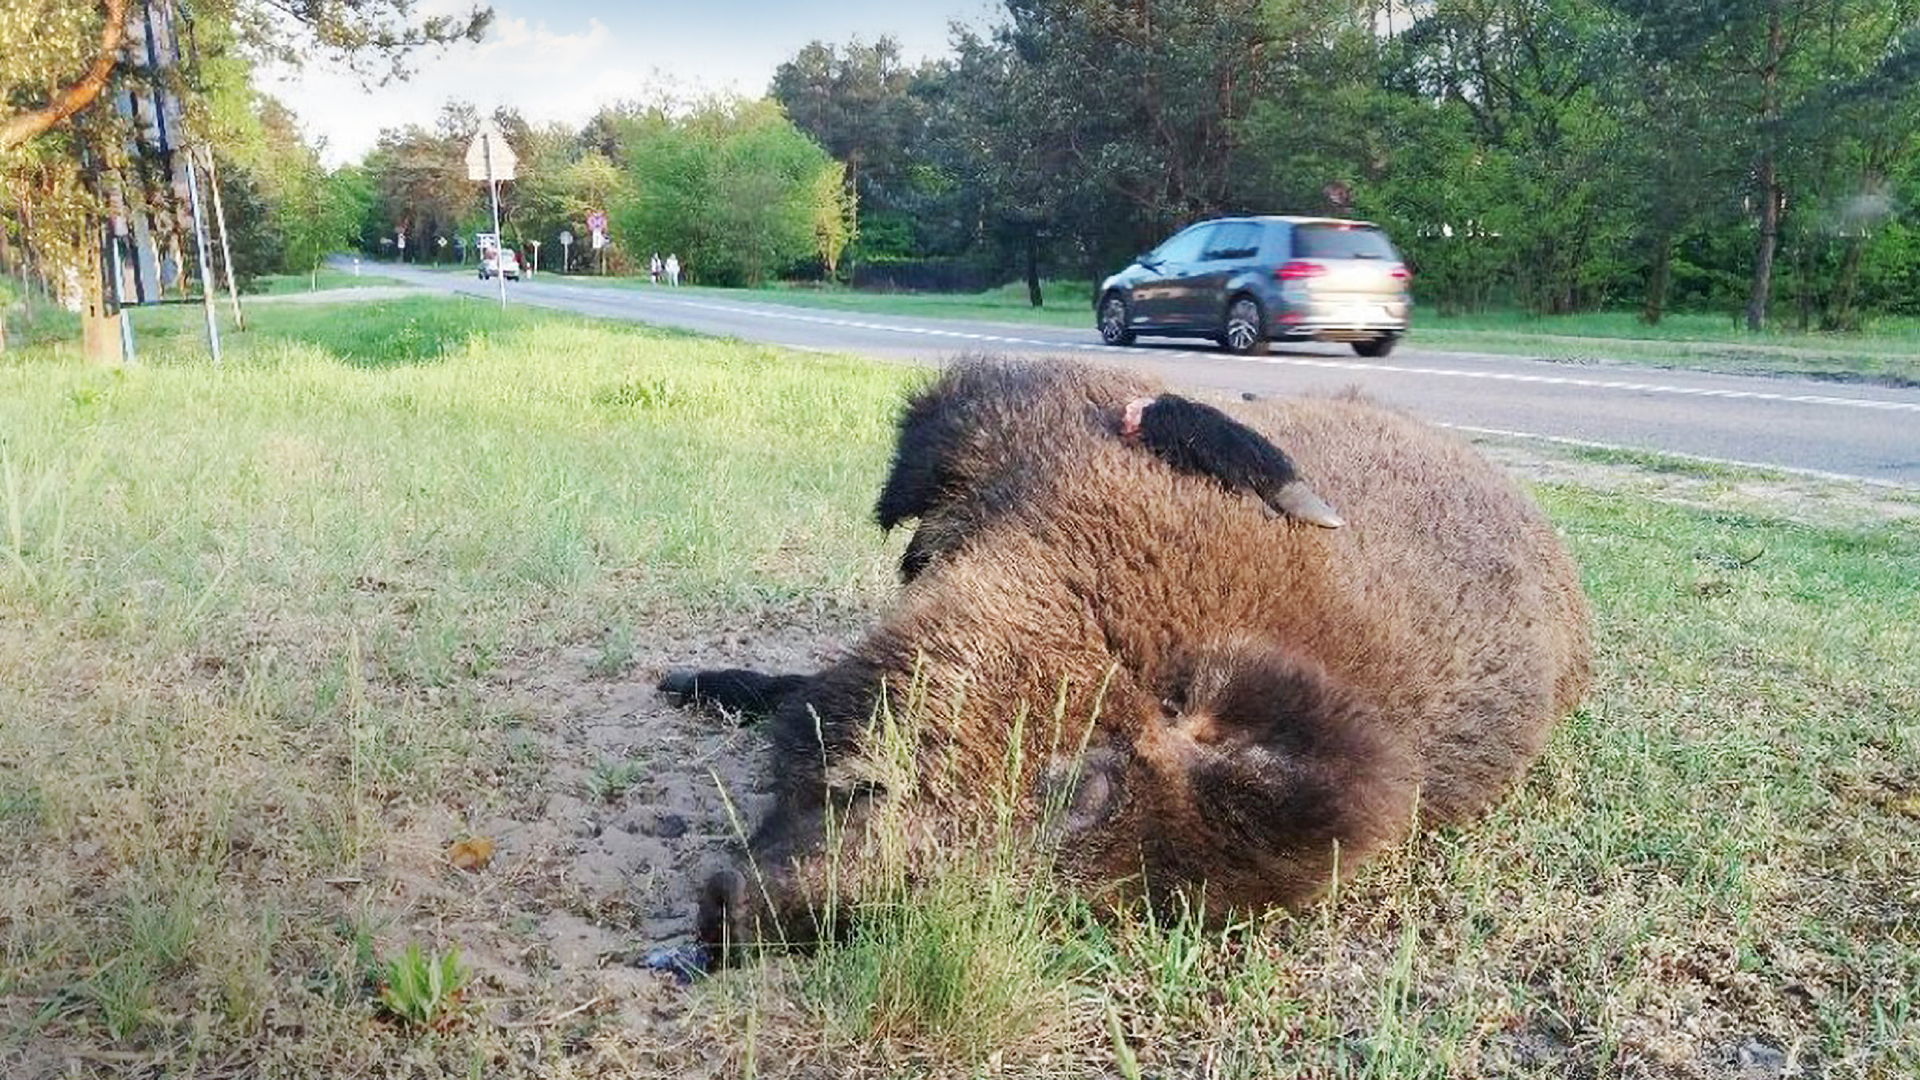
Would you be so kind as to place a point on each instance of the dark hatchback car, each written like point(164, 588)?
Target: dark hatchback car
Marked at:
point(1248, 280)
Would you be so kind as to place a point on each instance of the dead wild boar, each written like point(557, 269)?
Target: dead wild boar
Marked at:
point(1240, 650)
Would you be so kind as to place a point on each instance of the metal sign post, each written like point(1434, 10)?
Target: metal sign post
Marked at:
point(489, 158)
point(206, 260)
point(493, 191)
point(566, 249)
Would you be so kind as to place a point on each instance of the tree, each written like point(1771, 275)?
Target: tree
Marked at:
point(58, 57)
point(1536, 199)
point(1790, 85)
point(1146, 98)
point(731, 188)
point(44, 48)
point(1082, 129)
point(862, 104)
point(835, 216)
point(420, 185)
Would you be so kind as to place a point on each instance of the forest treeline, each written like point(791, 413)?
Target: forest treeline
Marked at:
point(1759, 158)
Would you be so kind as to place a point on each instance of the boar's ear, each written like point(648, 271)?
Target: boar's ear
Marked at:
point(1280, 746)
point(1203, 441)
point(932, 432)
point(1080, 794)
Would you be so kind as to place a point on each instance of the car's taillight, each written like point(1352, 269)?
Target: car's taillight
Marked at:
point(1400, 274)
point(1299, 270)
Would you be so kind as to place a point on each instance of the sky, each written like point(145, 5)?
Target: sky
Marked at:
point(562, 59)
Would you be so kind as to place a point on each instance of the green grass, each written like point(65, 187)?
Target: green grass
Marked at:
point(327, 277)
point(38, 322)
point(412, 330)
point(1065, 303)
point(423, 988)
point(1900, 333)
point(1887, 351)
point(272, 634)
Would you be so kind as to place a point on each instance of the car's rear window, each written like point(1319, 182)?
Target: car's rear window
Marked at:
point(1341, 242)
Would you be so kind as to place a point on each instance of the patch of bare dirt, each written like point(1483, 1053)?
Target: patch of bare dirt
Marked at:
point(615, 811)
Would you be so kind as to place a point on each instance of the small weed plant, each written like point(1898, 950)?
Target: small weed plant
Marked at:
point(422, 987)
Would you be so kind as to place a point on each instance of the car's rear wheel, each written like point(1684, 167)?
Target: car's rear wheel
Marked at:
point(1244, 330)
point(1375, 348)
point(1113, 320)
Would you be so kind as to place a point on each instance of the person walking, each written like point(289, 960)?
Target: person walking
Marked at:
point(653, 269)
point(673, 269)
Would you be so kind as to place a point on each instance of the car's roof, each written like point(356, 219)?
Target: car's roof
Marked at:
point(1303, 219)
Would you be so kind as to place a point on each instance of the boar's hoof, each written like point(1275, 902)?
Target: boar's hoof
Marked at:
point(725, 922)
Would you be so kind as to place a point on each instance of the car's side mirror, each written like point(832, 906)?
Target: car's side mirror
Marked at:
point(1147, 260)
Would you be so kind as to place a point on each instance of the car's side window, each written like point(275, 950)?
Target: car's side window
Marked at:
point(1185, 247)
point(1234, 240)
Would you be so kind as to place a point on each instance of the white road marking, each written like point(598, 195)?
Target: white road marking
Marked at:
point(1368, 366)
point(1589, 444)
point(1326, 363)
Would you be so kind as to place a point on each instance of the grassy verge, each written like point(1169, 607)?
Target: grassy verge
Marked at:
point(1888, 352)
point(38, 322)
point(326, 278)
point(274, 635)
point(1066, 303)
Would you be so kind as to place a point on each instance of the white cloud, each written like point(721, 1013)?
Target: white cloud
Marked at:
point(563, 59)
point(515, 41)
point(546, 74)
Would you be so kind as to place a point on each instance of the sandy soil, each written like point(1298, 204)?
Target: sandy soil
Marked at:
point(602, 837)
point(1811, 500)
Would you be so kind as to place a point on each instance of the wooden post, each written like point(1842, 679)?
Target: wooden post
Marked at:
point(99, 329)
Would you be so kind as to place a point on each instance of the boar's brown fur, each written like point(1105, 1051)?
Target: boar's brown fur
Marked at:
point(1240, 696)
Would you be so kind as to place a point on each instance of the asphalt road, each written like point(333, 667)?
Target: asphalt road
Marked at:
point(1822, 428)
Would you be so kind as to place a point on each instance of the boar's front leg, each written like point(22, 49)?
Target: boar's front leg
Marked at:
point(750, 695)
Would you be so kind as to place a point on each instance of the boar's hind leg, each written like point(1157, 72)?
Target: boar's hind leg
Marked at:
point(749, 693)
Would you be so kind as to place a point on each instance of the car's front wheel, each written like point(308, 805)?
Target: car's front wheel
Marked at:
point(1245, 329)
point(1113, 320)
point(1375, 348)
